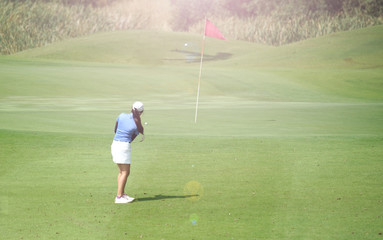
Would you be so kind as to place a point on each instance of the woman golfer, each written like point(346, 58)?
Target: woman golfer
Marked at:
point(128, 127)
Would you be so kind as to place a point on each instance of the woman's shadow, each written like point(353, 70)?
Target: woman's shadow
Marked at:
point(163, 197)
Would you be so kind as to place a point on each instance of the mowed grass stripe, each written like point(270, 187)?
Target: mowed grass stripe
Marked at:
point(263, 119)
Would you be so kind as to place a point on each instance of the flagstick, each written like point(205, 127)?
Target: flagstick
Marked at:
point(199, 77)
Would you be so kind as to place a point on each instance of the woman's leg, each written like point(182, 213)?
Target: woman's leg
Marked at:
point(124, 171)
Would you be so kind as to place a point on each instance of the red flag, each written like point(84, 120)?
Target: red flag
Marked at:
point(212, 31)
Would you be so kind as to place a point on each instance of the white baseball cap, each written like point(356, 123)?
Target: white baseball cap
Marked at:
point(139, 106)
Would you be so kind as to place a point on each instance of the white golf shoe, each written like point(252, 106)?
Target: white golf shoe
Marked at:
point(122, 200)
point(127, 197)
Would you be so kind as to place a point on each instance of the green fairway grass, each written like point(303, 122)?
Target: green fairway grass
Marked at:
point(288, 142)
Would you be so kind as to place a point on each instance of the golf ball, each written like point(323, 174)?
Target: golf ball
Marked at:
point(146, 123)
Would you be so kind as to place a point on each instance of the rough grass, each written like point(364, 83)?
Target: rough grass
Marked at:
point(30, 24)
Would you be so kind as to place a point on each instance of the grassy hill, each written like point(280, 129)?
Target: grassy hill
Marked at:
point(316, 63)
point(359, 48)
point(288, 142)
point(105, 71)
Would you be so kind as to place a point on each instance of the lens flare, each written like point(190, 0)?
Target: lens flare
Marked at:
point(193, 191)
point(193, 218)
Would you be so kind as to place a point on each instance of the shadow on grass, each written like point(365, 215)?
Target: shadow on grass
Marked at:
point(191, 56)
point(163, 197)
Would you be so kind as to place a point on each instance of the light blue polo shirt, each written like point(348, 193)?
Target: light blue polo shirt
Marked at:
point(126, 128)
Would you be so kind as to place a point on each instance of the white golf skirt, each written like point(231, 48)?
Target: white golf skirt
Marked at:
point(121, 152)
